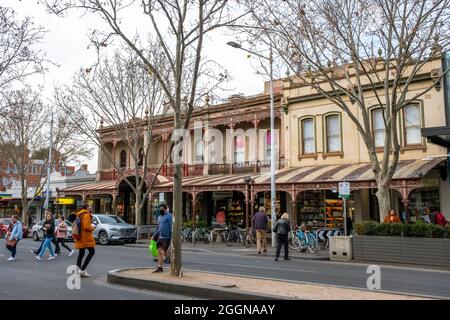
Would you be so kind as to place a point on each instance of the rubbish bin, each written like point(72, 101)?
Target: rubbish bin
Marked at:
point(341, 248)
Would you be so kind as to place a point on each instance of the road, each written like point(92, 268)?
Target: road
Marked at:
point(26, 278)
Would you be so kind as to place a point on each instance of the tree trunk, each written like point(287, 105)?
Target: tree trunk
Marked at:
point(384, 201)
point(24, 195)
point(137, 208)
point(175, 268)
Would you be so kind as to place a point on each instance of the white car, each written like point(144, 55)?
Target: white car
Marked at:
point(38, 233)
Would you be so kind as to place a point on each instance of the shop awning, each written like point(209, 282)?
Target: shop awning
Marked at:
point(96, 186)
point(406, 169)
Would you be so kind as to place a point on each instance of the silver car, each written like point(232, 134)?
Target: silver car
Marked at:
point(111, 228)
point(37, 233)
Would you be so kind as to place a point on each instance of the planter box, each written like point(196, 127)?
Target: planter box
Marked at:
point(421, 251)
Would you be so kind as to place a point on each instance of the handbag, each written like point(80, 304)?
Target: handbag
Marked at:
point(11, 243)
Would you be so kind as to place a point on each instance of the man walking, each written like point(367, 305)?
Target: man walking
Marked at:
point(260, 222)
point(164, 235)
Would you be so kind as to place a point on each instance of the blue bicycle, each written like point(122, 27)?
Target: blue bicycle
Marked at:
point(301, 240)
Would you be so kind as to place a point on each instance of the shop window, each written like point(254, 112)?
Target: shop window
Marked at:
point(333, 133)
point(199, 151)
point(141, 157)
point(378, 127)
point(123, 159)
point(308, 136)
point(412, 125)
point(239, 149)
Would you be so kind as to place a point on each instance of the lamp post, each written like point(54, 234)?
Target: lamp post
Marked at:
point(272, 131)
point(49, 165)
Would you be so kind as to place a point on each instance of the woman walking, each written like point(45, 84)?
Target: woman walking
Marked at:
point(86, 240)
point(49, 231)
point(13, 237)
point(282, 228)
point(61, 235)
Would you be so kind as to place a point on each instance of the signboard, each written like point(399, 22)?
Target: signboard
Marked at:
point(65, 201)
point(5, 196)
point(161, 197)
point(344, 189)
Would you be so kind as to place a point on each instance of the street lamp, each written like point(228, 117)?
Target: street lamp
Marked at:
point(272, 131)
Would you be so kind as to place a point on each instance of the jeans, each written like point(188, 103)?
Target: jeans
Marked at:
point(261, 240)
point(47, 244)
point(88, 258)
point(13, 249)
point(42, 244)
point(63, 243)
point(282, 239)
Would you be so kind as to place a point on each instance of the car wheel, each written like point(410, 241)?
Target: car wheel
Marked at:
point(35, 236)
point(103, 238)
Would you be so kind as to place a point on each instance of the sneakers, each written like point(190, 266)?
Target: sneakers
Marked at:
point(34, 252)
point(71, 253)
point(159, 269)
point(51, 258)
point(276, 259)
point(38, 258)
point(84, 274)
point(11, 259)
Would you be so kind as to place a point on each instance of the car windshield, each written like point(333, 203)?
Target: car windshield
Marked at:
point(110, 219)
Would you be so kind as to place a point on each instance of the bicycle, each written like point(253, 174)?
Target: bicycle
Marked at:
point(249, 238)
point(186, 234)
point(233, 235)
point(304, 239)
point(201, 234)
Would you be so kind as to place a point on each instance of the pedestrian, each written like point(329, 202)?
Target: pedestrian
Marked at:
point(86, 240)
point(13, 237)
point(164, 236)
point(61, 235)
point(392, 217)
point(282, 228)
point(440, 219)
point(36, 252)
point(49, 234)
point(168, 251)
point(260, 221)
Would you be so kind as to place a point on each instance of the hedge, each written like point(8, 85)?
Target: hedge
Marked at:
point(417, 230)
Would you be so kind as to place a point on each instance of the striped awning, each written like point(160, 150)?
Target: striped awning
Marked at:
point(96, 186)
point(406, 169)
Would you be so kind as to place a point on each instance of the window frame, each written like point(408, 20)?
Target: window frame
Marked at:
point(405, 144)
point(123, 152)
point(301, 153)
point(325, 134)
point(196, 160)
point(234, 148)
point(141, 157)
point(372, 123)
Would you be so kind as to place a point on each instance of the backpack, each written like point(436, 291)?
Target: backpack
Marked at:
point(76, 229)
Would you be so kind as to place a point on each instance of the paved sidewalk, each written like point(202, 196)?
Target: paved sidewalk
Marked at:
point(241, 250)
point(212, 285)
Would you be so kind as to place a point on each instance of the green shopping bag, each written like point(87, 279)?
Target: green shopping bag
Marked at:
point(153, 248)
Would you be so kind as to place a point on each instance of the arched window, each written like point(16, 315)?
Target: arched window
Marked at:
point(333, 133)
point(239, 149)
point(123, 159)
point(199, 151)
point(141, 157)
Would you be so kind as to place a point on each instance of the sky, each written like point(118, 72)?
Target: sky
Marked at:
point(66, 44)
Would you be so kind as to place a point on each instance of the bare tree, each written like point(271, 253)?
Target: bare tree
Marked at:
point(178, 27)
point(18, 56)
point(25, 122)
point(119, 94)
point(330, 45)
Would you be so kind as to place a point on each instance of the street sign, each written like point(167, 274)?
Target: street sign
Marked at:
point(344, 189)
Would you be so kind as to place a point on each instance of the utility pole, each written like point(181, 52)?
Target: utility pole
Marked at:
point(49, 166)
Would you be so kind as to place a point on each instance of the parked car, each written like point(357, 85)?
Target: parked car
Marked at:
point(4, 225)
point(111, 228)
point(37, 233)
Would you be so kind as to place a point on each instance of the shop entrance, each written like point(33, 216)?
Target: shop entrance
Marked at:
point(126, 202)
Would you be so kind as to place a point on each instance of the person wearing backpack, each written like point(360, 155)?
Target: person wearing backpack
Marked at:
point(84, 238)
point(61, 235)
point(13, 237)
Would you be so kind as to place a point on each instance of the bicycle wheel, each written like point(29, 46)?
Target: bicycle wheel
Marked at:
point(312, 243)
point(231, 237)
point(247, 240)
point(293, 241)
point(206, 237)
